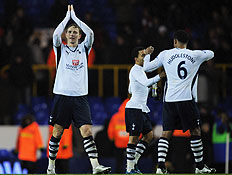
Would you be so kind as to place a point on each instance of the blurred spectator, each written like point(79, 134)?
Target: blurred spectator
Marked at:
point(207, 121)
point(147, 20)
point(117, 133)
point(125, 11)
point(126, 32)
point(16, 31)
point(65, 150)
point(91, 57)
point(19, 29)
point(92, 24)
point(161, 40)
point(9, 8)
point(28, 142)
point(35, 46)
point(37, 56)
point(102, 46)
point(209, 84)
point(51, 60)
point(3, 48)
point(6, 105)
point(120, 53)
point(89, 20)
point(21, 77)
point(222, 127)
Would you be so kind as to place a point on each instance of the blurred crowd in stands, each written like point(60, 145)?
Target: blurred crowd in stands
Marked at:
point(118, 25)
point(26, 29)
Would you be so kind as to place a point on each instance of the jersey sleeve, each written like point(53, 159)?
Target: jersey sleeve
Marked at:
point(141, 77)
point(205, 55)
point(59, 30)
point(149, 66)
point(89, 38)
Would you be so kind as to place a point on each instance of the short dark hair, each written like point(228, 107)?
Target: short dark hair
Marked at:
point(181, 36)
point(135, 51)
point(75, 25)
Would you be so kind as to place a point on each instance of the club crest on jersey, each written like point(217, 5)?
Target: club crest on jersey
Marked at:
point(75, 62)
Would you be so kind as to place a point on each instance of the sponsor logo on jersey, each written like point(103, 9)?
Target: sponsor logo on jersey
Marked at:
point(75, 62)
point(75, 66)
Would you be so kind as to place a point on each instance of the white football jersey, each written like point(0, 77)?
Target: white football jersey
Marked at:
point(71, 62)
point(72, 74)
point(181, 67)
point(138, 87)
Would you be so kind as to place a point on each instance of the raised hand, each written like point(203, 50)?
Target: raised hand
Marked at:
point(149, 50)
point(72, 7)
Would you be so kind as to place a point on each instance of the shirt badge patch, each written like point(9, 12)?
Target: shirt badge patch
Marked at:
point(75, 62)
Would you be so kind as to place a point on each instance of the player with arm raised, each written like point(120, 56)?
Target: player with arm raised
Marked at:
point(180, 96)
point(136, 112)
point(71, 89)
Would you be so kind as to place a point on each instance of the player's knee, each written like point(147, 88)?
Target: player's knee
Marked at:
point(196, 131)
point(148, 137)
point(167, 134)
point(58, 131)
point(133, 139)
point(86, 131)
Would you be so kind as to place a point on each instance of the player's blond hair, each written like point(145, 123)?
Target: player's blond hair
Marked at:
point(74, 25)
